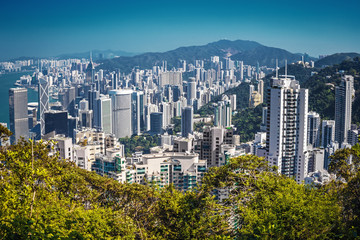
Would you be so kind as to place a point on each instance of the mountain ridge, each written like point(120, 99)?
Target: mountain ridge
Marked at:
point(248, 51)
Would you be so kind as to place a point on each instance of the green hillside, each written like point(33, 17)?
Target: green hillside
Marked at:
point(42, 197)
point(248, 51)
point(336, 58)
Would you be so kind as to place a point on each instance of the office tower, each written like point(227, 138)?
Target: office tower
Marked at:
point(137, 106)
point(57, 122)
point(150, 108)
point(90, 72)
point(93, 95)
point(156, 123)
point(327, 132)
point(222, 114)
point(191, 91)
point(287, 127)
point(121, 113)
point(103, 114)
point(261, 89)
point(187, 122)
point(313, 137)
point(18, 113)
point(343, 101)
point(43, 91)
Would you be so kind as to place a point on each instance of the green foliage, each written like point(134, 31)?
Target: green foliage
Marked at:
point(139, 143)
point(322, 89)
point(247, 122)
point(266, 205)
point(345, 163)
point(336, 58)
point(44, 198)
point(177, 124)
point(242, 99)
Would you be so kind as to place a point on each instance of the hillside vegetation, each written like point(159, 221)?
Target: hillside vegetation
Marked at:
point(42, 197)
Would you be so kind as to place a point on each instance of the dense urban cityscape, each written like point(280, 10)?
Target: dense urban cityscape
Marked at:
point(179, 120)
point(86, 111)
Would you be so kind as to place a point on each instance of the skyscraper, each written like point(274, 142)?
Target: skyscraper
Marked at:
point(191, 91)
point(187, 116)
point(103, 114)
point(56, 121)
point(313, 131)
point(327, 132)
point(343, 101)
point(137, 106)
point(156, 123)
point(287, 127)
point(222, 114)
point(18, 113)
point(121, 113)
point(43, 90)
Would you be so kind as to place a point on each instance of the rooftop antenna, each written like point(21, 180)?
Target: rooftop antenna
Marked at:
point(90, 56)
point(276, 70)
point(285, 68)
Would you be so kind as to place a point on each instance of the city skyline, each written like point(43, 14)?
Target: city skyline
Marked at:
point(43, 29)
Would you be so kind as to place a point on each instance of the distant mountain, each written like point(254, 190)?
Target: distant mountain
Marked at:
point(97, 54)
point(248, 51)
point(335, 59)
point(266, 56)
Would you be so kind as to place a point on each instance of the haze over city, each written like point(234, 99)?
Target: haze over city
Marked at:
point(45, 28)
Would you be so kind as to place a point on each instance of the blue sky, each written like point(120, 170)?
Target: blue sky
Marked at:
point(52, 27)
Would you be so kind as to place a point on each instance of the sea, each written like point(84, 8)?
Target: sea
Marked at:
point(7, 81)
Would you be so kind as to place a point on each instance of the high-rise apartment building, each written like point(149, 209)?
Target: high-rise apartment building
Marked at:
point(222, 113)
point(343, 101)
point(327, 132)
point(18, 113)
point(287, 127)
point(209, 147)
